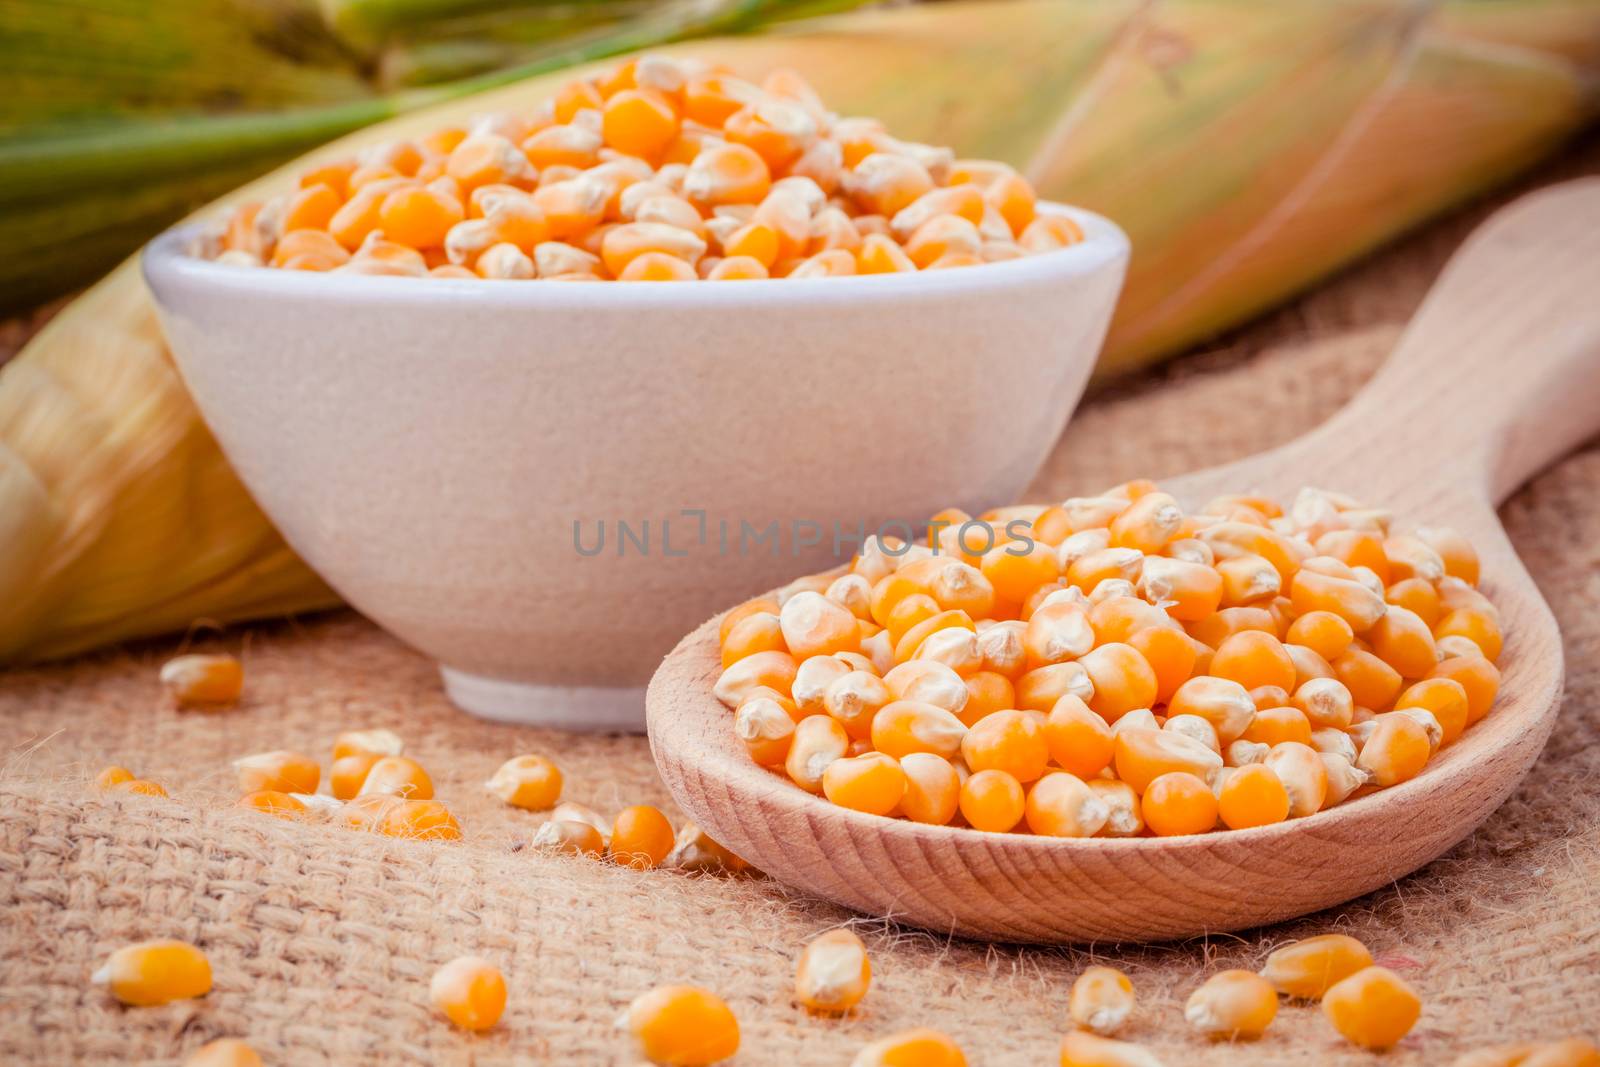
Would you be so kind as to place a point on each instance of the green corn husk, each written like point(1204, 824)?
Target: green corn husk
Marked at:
point(1249, 149)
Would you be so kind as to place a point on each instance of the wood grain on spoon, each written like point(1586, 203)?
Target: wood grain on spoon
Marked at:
point(1497, 376)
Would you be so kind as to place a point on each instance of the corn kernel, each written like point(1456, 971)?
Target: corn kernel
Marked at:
point(223, 1052)
point(273, 802)
point(284, 771)
point(155, 972)
point(1083, 1049)
point(682, 1026)
point(1231, 1005)
point(911, 1048)
point(1306, 969)
point(470, 991)
point(1102, 1000)
point(641, 837)
point(833, 973)
point(203, 681)
point(532, 783)
point(1373, 1008)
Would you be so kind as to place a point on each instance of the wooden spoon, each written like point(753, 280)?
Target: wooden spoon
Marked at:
point(1498, 374)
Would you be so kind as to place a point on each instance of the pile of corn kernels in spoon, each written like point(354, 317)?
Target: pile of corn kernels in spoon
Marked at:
point(1114, 667)
point(658, 170)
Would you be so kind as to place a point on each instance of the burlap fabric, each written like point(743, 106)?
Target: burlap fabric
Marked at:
point(323, 940)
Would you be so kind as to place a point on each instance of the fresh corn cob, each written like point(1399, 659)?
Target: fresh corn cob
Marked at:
point(1248, 150)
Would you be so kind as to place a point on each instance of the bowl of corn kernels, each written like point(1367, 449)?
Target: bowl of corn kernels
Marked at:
point(543, 486)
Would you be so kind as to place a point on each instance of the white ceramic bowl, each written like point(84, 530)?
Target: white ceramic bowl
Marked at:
point(437, 449)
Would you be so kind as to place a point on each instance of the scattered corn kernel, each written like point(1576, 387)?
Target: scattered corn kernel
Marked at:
point(682, 1026)
point(377, 741)
point(529, 782)
point(570, 837)
point(833, 973)
point(641, 837)
point(470, 991)
point(155, 972)
point(1232, 1004)
point(273, 802)
point(1083, 1049)
point(113, 776)
point(397, 776)
point(1102, 1000)
point(1307, 968)
point(224, 1052)
point(911, 1048)
point(283, 771)
point(1373, 1008)
point(203, 681)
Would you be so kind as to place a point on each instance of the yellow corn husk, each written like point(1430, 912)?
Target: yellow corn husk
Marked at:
point(1248, 148)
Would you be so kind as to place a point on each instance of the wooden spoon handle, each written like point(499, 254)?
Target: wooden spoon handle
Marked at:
point(1499, 372)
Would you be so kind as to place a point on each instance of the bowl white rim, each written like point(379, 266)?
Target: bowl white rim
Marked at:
point(168, 258)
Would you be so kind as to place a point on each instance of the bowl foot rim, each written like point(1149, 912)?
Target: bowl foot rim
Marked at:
point(584, 708)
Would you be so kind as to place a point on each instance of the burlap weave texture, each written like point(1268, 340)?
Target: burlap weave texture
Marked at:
point(323, 940)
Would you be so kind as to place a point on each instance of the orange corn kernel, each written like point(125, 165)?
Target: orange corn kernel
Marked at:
point(933, 789)
point(470, 992)
point(1232, 1005)
point(776, 130)
point(1178, 803)
point(773, 670)
point(375, 741)
point(928, 682)
point(1402, 640)
point(639, 122)
point(1306, 969)
point(1171, 656)
point(759, 632)
point(911, 1048)
point(312, 208)
point(1222, 702)
point(155, 972)
point(683, 1026)
point(1048, 232)
point(424, 820)
point(1396, 750)
point(347, 773)
point(113, 776)
point(1080, 1048)
point(1078, 739)
point(1460, 559)
point(1122, 679)
point(419, 216)
point(1252, 796)
point(906, 726)
point(1274, 726)
point(396, 776)
point(833, 973)
point(273, 802)
point(1102, 1000)
point(1477, 676)
point(1475, 625)
point(641, 837)
point(818, 741)
point(569, 837)
point(1344, 597)
point(871, 782)
point(1057, 632)
point(987, 692)
point(1372, 682)
point(1253, 659)
point(284, 771)
point(883, 183)
point(992, 800)
point(1143, 755)
point(224, 1052)
point(1373, 1008)
point(1062, 805)
point(1010, 741)
point(734, 616)
point(1304, 776)
point(202, 681)
point(1326, 702)
point(1038, 690)
point(1416, 595)
point(1445, 698)
point(139, 786)
point(815, 626)
point(766, 728)
point(1325, 633)
point(532, 783)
